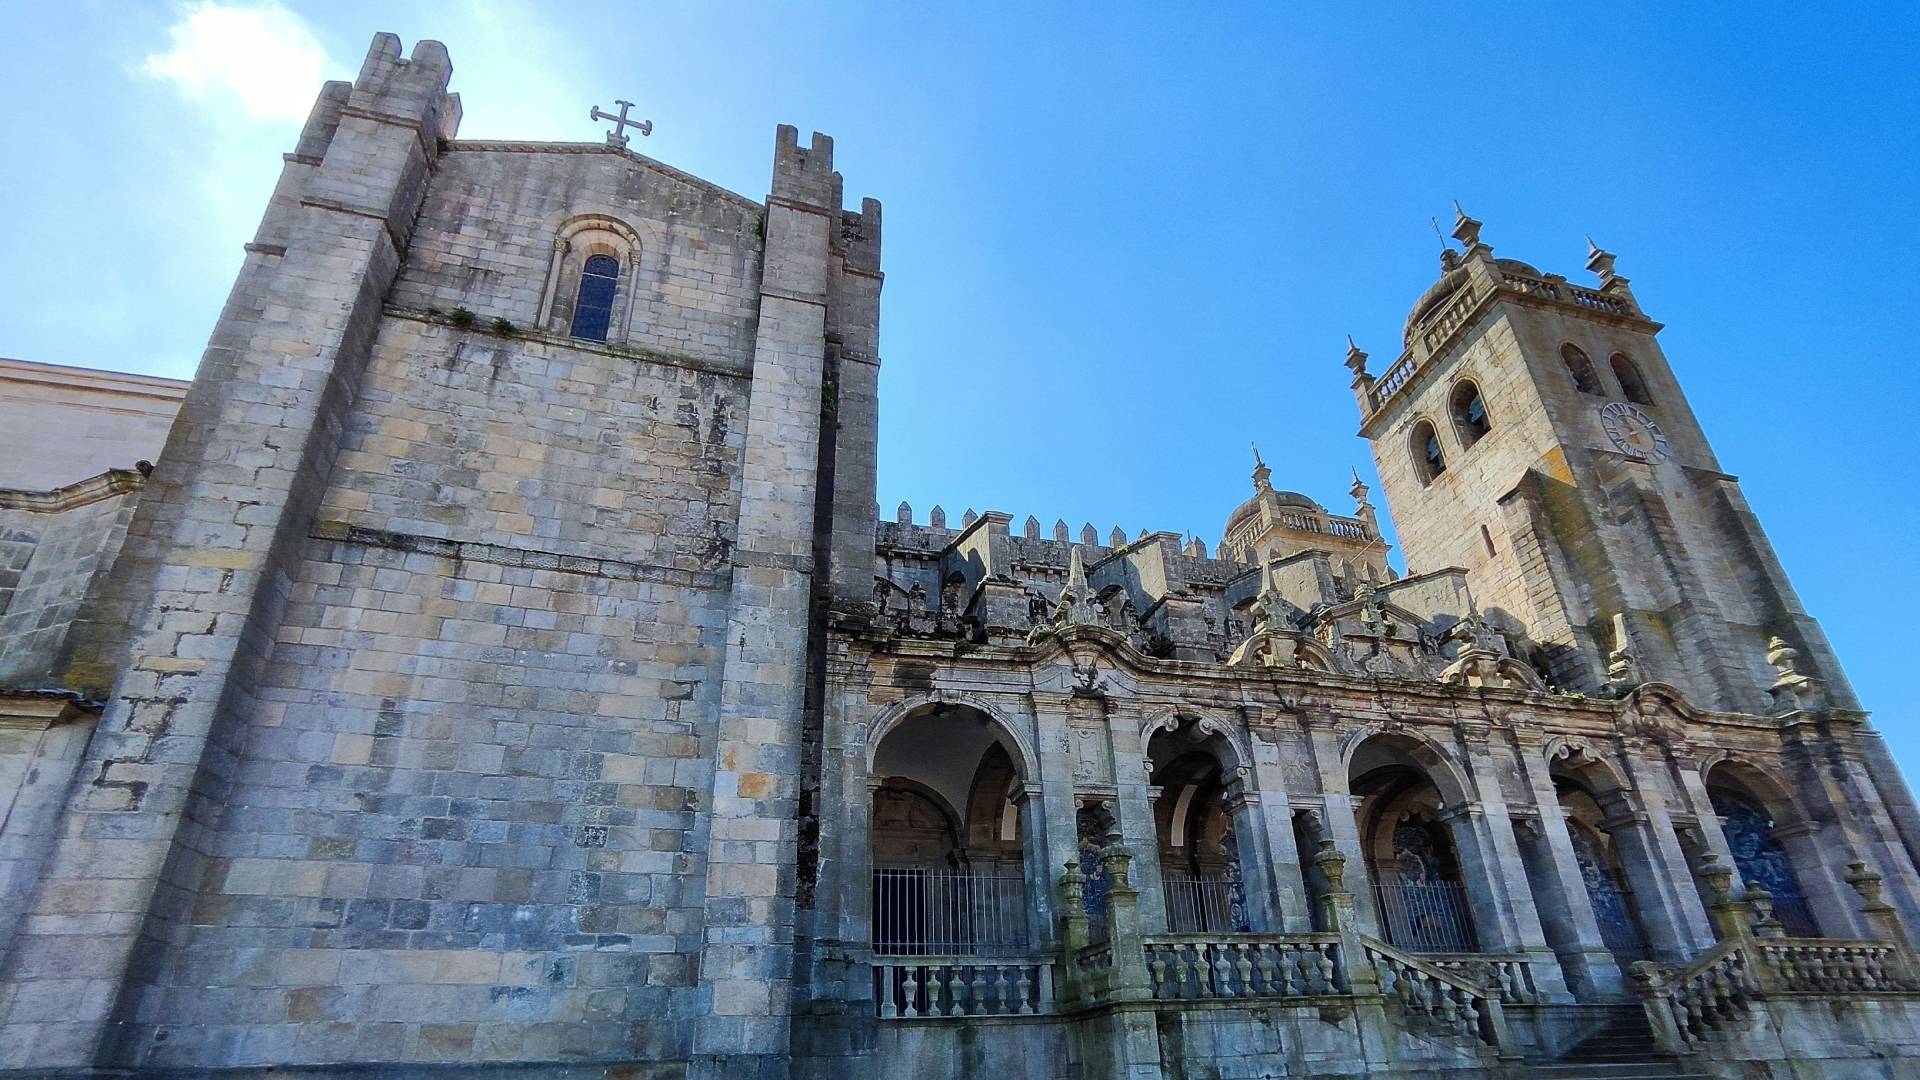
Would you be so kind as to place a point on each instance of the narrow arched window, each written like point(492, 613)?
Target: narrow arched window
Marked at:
point(1469, 413)
point(1428, 460)
point(593, 311)
point(1632, 384)
point(1585, 379)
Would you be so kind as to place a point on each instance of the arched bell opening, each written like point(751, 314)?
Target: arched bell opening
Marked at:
point(947, 837)
point(1419, 892)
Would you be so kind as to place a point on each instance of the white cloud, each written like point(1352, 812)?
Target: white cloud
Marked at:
point(261, 53)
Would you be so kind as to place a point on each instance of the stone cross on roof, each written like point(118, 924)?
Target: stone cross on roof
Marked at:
point(618, 136)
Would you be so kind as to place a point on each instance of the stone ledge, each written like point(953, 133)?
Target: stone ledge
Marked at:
point(526, 558)
point(93, 489)
point(543, 337)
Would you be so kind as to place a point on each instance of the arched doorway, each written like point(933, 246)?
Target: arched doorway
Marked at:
point(1598, 855)
point(1419, 893)
point(1200, 869)
point(1200, 829)
point(947, 838)
point(1759, 857)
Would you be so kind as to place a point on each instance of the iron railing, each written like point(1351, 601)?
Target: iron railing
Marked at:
point(1199, 905)
point(920, 911)
point(1426, 916)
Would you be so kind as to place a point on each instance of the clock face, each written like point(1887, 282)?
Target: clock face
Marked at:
point(1633, 431)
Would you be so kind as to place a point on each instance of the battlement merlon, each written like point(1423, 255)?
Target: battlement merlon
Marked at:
point(390, 91)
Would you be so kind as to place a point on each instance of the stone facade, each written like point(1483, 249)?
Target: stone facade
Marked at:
point(503, 672)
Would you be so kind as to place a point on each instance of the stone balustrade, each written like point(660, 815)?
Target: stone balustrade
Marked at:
point(1823, 966)
point(1239, 966)
point(1709, 995)
point(915, 987)
point(1441, 325)
point(1511, 977)
point(1433, 997)
point(1395, 378)
point(1755, 961)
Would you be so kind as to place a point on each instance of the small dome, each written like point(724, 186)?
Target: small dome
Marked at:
point(1441, 291)
point(1285, 500)
point(1437, 293)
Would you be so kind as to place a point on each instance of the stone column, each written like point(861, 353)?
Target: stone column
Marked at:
point(1669, 903)
point(843, 892)
point(1484, 835)
point(1566, 912)
point(1859, 802)
point(194, 598)
point(1813, 850)
point(1243, 808)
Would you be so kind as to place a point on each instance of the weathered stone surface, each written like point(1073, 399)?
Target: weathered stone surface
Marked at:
point(506, 672)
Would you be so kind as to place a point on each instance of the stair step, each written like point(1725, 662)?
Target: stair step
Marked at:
point(1621, 1071)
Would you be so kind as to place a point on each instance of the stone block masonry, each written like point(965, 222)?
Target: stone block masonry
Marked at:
point(460, 717)
point(505, 674)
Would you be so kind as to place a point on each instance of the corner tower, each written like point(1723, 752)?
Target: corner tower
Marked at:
point(1532, 433)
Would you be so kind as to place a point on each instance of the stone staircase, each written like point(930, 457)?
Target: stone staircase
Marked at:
point(1622, 1050)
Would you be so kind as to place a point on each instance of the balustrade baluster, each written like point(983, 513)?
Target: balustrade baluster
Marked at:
point(1243, 968)
point(1221, 969)
point(1263, 960)
point(912, 988)
point(1323, 967)
point(1157, 970)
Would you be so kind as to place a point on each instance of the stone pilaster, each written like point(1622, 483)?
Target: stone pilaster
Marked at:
point(1055, 811)
point(1273, 823)
point(1133, 812)
point(746, 962)
point(1340, 821)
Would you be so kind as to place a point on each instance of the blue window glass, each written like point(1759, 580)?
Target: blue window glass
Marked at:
point(1759, 858)
point(593, 311)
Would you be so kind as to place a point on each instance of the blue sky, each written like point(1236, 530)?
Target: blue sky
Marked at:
point(1121, 244)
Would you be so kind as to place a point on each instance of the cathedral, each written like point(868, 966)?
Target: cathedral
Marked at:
point(494, 663)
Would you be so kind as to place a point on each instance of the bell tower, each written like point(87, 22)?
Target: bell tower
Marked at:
point(1532, 433)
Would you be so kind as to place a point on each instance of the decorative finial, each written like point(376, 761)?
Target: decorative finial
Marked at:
point(1257, 463)
point(1076, 597)
point(1465, 229)
point(1600, 261)
point(618, 136)
point(1359, 489)
point(1356, 359)
point(1261, 474)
